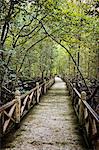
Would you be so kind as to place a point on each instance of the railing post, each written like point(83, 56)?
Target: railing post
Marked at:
point(18, 106)
point(72, 95)
point(81, 107)
point(37, 99)
point(44, 86)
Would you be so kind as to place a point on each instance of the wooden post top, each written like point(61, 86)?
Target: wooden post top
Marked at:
point(83, 95)
point(17, 93)
point(74, 84)
point(44, 80)
point(37, 83)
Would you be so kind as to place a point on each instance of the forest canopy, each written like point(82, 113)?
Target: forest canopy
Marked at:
point(48, 37)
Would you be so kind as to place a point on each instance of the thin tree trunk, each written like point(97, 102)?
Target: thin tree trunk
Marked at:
point(1, 75)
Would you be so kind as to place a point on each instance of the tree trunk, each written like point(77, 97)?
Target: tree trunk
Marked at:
point(42, 75)
point(1, 74)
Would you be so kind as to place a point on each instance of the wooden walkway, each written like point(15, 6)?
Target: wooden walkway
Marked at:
point(51, 125)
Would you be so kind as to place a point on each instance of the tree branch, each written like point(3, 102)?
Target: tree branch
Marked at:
point(53, 38)
point(28, 50)
point(29, 37)
point(6, 26)
point(29, 32)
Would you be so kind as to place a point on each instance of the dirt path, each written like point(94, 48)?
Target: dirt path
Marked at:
point(51, 125)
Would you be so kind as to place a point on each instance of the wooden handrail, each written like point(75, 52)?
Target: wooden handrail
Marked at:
point(28, 92)
point(5, 106)
point(95, 115)
point(8, 104)
point(88, 118)
point(79, 95)
point(12, 112)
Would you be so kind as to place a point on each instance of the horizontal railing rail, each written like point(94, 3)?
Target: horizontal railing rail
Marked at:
point(12, 112)
point(88, 118)
point(95, 115)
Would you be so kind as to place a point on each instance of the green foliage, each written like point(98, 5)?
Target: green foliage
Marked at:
point(33, 53)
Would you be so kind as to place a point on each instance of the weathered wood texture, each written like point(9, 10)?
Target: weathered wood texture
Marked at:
point(12, 112)
point(51, 125)
point(88, 118)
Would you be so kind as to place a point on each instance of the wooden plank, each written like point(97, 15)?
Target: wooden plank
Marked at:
point(12, 104)
point(40, 91)
point(29, 92)
point(7, 121)
point(79, 95)
point(38, 94)
point(44, 86)
point(31, 96)
point(94, 128)
point(87, 127)
point(30, 99)
point(94, 114)
point(24, 104)
point(7, 105)
point(85, 113)
point(9, 116)
point(18, 107)
point(41, 85)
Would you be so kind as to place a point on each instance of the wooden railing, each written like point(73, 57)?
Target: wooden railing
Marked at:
point(12, 112)
point(88, 118)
